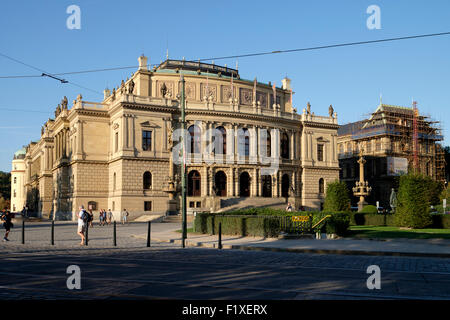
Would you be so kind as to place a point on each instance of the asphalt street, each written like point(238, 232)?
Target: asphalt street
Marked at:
point(37, 270)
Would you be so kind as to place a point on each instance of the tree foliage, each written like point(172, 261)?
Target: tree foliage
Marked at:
point(414, 199)
point(5, 185)
point(337, 198)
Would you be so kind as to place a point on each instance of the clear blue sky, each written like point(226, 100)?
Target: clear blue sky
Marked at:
point(115, 33)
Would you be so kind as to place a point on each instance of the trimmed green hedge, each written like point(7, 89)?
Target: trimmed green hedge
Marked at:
point(370, 209)
point(439, 221)
point(261, 222)
point(256, 226)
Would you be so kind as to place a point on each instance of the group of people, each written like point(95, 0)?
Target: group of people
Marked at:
point(85, 218)
point(105, 217)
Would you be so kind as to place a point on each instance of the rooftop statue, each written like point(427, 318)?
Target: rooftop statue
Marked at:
point(131, 87)
point(64, 103)
point(163, 89)
point(331, 111)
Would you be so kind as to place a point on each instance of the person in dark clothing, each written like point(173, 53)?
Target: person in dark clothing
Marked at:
point(7, 224)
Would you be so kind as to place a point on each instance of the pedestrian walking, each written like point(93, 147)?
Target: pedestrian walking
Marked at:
point(124, 216)
point(109, 216)
point(6, 217)
point(90, 218)
point(101, 218)
point(83, 220)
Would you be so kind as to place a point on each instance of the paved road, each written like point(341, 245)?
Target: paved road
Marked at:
point(37, 270)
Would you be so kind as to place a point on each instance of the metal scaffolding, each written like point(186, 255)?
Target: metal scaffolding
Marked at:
point(411, 135)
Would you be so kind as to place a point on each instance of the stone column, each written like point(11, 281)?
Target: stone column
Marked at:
point(259, 177)
point(236, 141)
point(304, 146)
point(131, 132)
point(124, 132)
point(236, 182)
point(311, 149)
point(292, 145)
point(80, 137)
point(253, 143)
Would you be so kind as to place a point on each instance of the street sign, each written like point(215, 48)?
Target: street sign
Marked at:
point(300, 218)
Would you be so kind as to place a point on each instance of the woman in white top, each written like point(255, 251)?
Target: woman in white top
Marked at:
point(81, 225)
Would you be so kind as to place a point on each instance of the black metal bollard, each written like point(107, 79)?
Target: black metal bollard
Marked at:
point(23, 231)
point(115, 235)
point(53, 233)
point(148, 233)
point(220, 235)
point(86, 238)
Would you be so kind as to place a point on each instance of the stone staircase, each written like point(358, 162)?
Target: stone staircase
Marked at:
point(230, 204)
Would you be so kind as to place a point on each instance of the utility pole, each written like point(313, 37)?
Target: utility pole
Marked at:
point(183, 168)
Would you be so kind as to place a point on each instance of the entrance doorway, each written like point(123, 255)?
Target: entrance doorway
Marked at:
point(220, 181)
point(285, 186)
point(244, 184)
point(266, 186)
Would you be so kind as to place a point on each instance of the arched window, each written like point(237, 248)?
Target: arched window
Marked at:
point(194, 142)
point(321, 186)
point(284, 145)
point(114, 182)
point(220, 140)
point(244, 142)
point(147, 180)
point(269, 144)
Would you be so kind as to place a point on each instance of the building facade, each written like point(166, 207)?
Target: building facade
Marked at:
point(243, 139)
point(386, 141)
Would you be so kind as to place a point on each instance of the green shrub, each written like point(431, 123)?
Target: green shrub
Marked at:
point(441, 221)
point(339, 223)
point(370, 209)
point(337, 197)
point(413, 202)
point(368, 219)
point(266, 223)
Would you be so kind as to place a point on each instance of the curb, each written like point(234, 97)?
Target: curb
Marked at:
point(316, 251)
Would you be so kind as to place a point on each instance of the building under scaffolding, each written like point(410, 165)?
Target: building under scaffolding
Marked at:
point(394, 140)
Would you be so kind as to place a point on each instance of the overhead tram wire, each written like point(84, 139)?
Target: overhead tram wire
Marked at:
point(237, 56)
point(326, 46)
point(48, 74)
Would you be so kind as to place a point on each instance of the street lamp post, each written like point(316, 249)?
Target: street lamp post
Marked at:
point(183, 167)
point(362, 188)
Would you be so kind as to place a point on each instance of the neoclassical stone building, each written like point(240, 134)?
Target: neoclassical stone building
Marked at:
point(244, 140)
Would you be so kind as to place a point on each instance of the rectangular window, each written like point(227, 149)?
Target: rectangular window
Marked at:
point(147, 206)
point(147, 140)
point(116, 146)
point(191, 204)
point(113, 206)
point(320, 152)
point(15, 179)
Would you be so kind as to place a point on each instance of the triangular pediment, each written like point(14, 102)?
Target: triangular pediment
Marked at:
point(148, 124)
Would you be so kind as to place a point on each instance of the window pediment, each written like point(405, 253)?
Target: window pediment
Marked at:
point(148, 124)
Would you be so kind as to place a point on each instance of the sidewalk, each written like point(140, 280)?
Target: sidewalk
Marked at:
point(349, 246)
